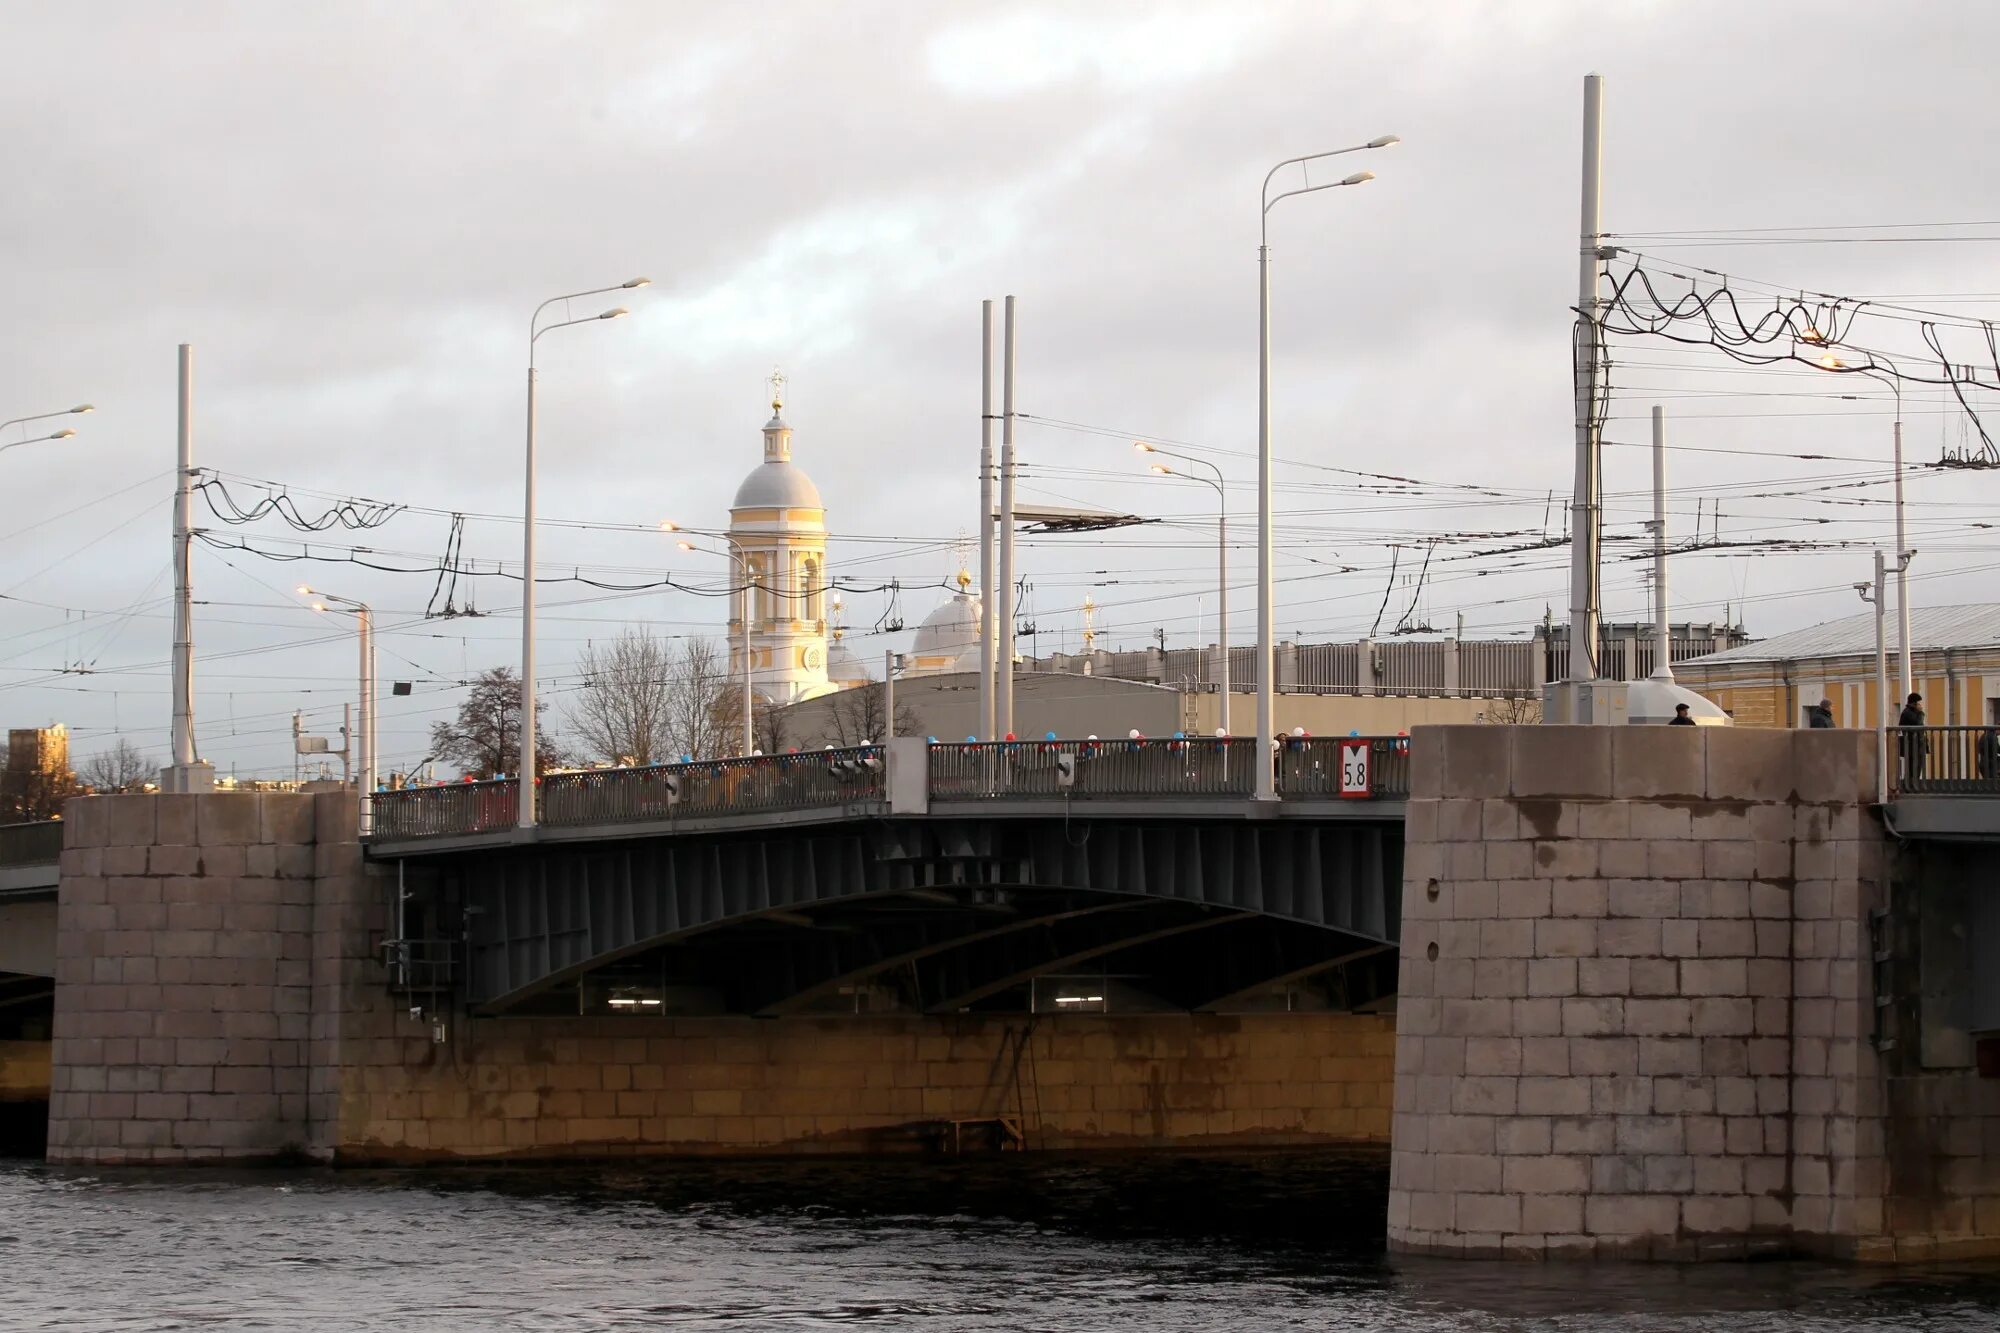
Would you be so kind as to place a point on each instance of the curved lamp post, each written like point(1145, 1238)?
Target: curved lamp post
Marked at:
point(1267, 784)
point(1221, 553)
point(364, 622)
point(1893, 379)
point(535, 331)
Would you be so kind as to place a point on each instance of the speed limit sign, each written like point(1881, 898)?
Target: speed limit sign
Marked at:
point(1354, 770)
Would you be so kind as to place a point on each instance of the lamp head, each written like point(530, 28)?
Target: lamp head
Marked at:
point(62, 434)
point(668, 525)
point(614, 312)
point(1163, 469)
point(304, 591)
point(1831, 362)
point(685, 546)
point(319, 606)
point(1142, 446)
point(636, 282)
point(1359, 178)
point(81, 408)
point(1385, 141)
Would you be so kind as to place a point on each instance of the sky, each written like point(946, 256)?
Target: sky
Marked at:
point(351, 210)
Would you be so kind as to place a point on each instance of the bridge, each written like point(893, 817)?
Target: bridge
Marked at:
point(913, 877)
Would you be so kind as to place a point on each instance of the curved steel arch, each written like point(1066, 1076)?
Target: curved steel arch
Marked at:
point(540, 916)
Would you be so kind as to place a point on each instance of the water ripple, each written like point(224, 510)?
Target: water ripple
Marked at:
point(1023, 1244)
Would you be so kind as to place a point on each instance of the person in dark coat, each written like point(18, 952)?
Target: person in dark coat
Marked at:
point(1820, 715)
point(1680, 717)
point(1911, 741)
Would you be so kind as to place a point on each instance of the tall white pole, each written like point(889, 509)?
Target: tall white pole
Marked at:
point(1663, 644)
point(749, 664)
point(527, 746)
point(889, 689)
point(987, 654)
point(1908, 670)
point(1585, 515)
point(366, 767)
point(1003, 706)
point(1222, 599)
point(1267, 702)
point(1881, 686)
point(183, 729)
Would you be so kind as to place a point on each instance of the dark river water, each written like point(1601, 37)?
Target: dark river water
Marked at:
point(1273, 1241)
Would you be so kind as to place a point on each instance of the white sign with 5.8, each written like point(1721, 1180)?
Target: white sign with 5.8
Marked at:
point(1354, 769)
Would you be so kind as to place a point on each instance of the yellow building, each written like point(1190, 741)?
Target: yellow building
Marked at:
point(1955, 651)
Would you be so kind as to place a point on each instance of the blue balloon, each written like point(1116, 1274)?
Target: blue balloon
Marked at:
point(931, 739)
point(1048, 735)
point(1180, 735)
point(687, 759)
point(1353, 733)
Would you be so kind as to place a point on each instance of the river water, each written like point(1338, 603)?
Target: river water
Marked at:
point(1084, 1244)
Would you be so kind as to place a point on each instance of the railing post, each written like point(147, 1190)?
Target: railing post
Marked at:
point(906, 761)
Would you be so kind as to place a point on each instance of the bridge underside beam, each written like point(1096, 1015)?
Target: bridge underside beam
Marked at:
point(946, 914)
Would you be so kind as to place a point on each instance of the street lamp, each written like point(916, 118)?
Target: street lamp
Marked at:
point(364, 621)
point(1221, 555)
point(749, 584)
point(1267, 726)
point(535, 330)
point(63, 434)
point(1828, 361)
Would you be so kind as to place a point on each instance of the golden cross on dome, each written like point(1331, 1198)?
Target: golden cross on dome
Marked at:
point(777, 382)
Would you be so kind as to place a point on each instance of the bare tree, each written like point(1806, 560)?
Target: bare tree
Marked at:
point(625, 712)
point(704, 710)
point(775, 729)
point(485, 737)
point(1525, 710)
point(123, 767)
point(854, 717)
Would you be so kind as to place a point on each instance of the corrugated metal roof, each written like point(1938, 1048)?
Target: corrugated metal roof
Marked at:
point(1931, 627)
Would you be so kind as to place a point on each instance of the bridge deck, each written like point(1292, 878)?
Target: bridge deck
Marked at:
point(1128, 779)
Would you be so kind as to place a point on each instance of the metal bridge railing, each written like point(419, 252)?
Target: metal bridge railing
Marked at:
point(1095, 769)
point(1310, 766)
point(36, 844)
point(761, 784)
point(1945, 761)
point(439, 812)
point(804, 781)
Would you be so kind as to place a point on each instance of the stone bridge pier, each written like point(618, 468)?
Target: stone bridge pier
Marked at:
point(1639, 1013)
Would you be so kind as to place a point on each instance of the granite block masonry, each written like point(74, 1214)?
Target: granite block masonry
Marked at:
point(1636, 1009)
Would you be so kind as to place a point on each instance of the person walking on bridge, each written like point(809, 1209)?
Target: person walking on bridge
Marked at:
point(1911, 742)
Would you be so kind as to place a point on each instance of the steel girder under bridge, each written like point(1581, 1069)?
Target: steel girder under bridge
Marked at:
point(934, 914)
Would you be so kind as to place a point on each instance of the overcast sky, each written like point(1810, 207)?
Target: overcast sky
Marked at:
point(350, 211)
